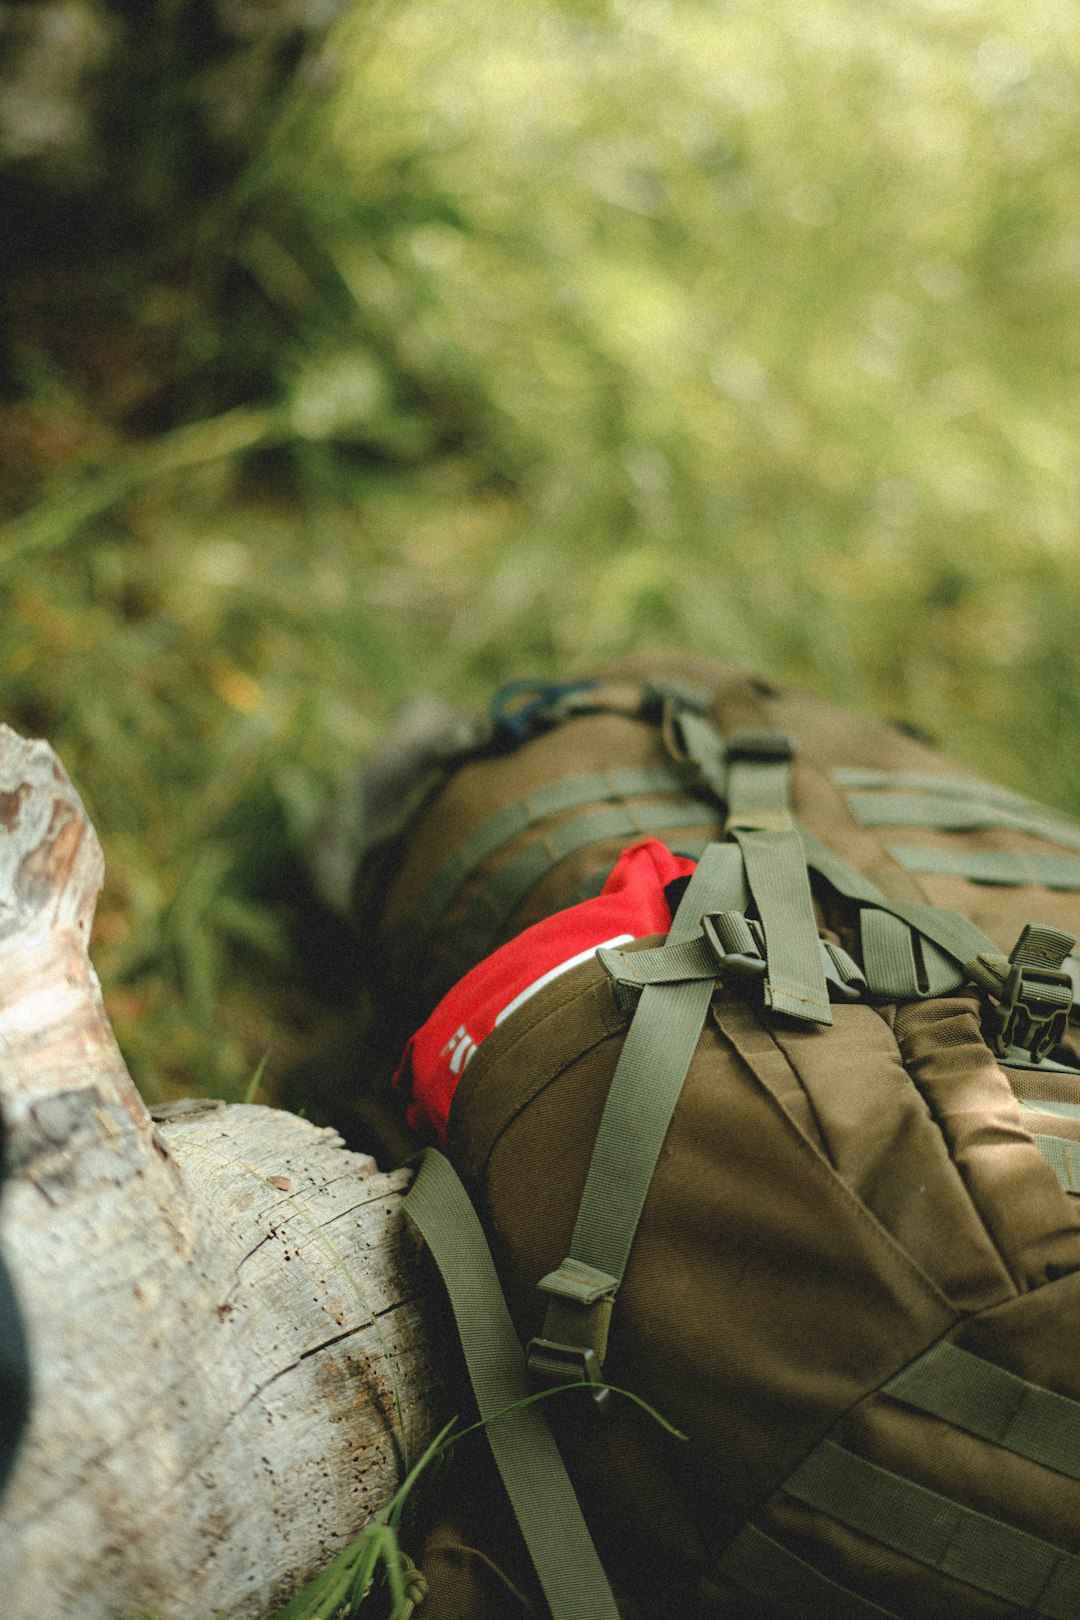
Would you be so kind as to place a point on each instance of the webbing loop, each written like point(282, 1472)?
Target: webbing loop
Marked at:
point(945, 1535)
point(768, 1569)
point(760, 820)
point(987, 1400)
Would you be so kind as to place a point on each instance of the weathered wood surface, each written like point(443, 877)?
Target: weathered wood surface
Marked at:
point(223, 1304)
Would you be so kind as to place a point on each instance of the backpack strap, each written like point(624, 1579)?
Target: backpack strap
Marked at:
point(766, 858)
point(532, 1471)
point(760, 820)
point(648, 1079)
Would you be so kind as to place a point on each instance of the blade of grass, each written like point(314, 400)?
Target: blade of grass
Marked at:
point(256, 1078)
point(58, 517)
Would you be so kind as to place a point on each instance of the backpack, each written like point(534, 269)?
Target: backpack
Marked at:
point(801, 1175)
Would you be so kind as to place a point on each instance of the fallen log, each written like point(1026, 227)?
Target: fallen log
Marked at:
point(229, 1349)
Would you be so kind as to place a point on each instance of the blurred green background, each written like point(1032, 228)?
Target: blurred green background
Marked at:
point(483, 340)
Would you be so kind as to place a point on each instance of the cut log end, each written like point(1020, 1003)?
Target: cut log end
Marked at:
point(231, 1361)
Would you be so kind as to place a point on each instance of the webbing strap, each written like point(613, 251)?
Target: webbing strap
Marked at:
point(532, 1471)
point(900, 963)
point(951, 932)
point(477, 931)
point(888, 954)
point(776, 873)
point(706, 749)
point(648, 1079)
point(602, 787)
point(1040, 1105)
point(983, 1398)
point(1062, 1154)
point(770, 1570)
point(1008, 867)
point(955, 815)
point(956, 936)
point(852, 884)
point(945, 1535)
point(664, 964)
point(947, 786)
point(760, 821)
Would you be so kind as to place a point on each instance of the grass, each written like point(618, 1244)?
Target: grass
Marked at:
point(532, 336)
point(347, 1581)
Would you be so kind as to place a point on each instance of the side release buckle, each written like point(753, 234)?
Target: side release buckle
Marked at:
point(1034, 993)
point(737, 942)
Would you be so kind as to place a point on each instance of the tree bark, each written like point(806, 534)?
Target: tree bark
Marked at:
point(229, 1346)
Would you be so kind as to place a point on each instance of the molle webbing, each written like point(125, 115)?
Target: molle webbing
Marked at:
point(981, 1398)
point(603, 787)
point(479, 929)
point(1007, 868)
point(854, 777)
point(626, 807)
point(1062, 1154)
point(770, 1570)
point(947, 804)
point(956, 815)
point(933, 1529)
point(987, 1400)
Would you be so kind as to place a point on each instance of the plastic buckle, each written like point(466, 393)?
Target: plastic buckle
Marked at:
point(737, 942)
point(1033, 1013)
point(552, 1364)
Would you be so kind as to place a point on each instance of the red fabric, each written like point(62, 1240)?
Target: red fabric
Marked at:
point(631, 904)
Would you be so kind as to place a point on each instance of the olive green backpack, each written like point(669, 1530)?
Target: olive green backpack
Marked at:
point(800, 1175)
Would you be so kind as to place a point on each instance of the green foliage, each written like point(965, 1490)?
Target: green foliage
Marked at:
point(347, 1581)
point(531, 335)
